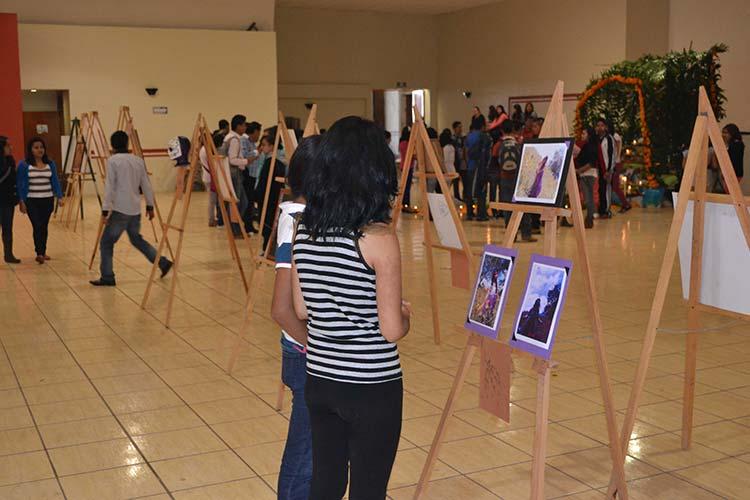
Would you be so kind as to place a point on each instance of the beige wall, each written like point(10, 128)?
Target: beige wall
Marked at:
point(546, 40)
point(647, 28)
point(336, 58)
point(194, 70)
point(729, 23)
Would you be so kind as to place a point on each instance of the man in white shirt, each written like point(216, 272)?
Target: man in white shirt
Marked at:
point(121, 208)
point(237, 163)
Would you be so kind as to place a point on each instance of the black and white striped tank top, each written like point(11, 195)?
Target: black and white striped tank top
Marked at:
point(344, 342)
point(40, 182)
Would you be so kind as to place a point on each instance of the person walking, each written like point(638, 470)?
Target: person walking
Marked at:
point(585, 165)
point(606, 163)
point(121, 208)
point(8, 198)
point(37, 185)
point(460, 160)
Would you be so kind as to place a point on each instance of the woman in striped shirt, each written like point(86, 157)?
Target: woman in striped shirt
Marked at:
point(347, 285)
point(37, 186)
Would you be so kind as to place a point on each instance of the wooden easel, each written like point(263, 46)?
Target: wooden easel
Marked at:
point(125, 123)
point(693, 187)
point(429, 166)
point(264, 262)
point(555, 125)
point(201, 138)
point(77, 176)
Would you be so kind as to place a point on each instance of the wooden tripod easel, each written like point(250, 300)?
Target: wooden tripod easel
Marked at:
point(125, 123)
point(554, 126)
point(264, 262)
point(429, 166)
point(693, 187)
point(74, 188)
point(201, 138)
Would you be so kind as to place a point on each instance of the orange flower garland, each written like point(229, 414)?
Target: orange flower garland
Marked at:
point(638, 84)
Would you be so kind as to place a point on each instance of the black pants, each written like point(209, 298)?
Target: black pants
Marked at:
point(248, 183)
point(475, 191)
point(40, 210)
point(603, 198)
point(6, 221)
point(357, 427)
point(407, 187)
point(494, 180)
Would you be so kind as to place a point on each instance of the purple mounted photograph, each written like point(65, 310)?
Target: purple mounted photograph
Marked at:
point(541, 305)
point(490, 290)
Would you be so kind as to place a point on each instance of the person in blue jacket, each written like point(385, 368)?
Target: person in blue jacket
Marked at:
point(37, 185)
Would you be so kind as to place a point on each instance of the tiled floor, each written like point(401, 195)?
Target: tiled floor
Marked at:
point(99, 400)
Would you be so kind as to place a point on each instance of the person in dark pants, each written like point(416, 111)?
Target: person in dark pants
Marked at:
point(509, 159)
point(266, 148)
point(121, 208)
point(296, 464)
point(346, 279)
point(8, 198)
point(37, 186)
point(460, 159)
point(478, 145)
point(585, 164)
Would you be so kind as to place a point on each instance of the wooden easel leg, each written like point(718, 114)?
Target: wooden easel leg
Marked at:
point(176, 265)
point(688, 396)
point(99, 233)
point(540, 433)
point(463, 369)
point(155, 266)
point(699, 132)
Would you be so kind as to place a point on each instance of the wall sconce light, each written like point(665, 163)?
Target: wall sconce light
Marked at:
point(466, 94)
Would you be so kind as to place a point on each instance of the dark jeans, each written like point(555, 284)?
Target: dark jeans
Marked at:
point(357, 427)
point(603, 194)
point(475, 191)
point(40, 210)
point(296, 464)
point(6, 222)
point(116, 225)
point(507, 187)
point(587, 186)
point(248, 183)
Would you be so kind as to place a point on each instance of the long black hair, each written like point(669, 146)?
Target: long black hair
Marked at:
point(734, 132)
point(30, 155)
point(352, 181)
point(446, 138)
point(405, 134)
point(301, 163)
point(3, 158)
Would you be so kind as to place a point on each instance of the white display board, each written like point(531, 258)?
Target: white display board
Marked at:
point(725, 279)
point(441, 215)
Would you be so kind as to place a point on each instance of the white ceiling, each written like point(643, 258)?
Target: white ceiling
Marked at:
point(427, 7)
point(208, 14)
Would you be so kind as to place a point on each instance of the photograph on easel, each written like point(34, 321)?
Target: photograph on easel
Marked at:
point(490, 290)
point(541, 305)
point(543, 167)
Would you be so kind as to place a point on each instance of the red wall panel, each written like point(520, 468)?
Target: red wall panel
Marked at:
point(11, 105)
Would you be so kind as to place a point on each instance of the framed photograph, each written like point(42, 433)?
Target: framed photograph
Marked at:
point(542, 171)
point(491, 290)
point(541, 305)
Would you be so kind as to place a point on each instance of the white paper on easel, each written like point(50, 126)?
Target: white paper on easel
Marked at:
point(224, 177)
point(441, 214)
point(725, 277)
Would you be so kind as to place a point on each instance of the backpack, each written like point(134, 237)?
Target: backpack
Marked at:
point(509, 158)
point(223, 150)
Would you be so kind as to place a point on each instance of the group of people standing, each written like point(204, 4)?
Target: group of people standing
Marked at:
point(249, 153)
point(33, 185)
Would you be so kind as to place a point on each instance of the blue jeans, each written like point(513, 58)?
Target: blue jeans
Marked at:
point(116, 225)
point(296, 464)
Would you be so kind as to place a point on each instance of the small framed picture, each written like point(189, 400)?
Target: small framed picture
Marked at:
point(542, 171)
point(491, 290)
point(541, 305)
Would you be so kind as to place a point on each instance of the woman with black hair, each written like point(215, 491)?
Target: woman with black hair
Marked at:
point(517, 115)
point(736, 149)
point(528, 112)
point(347, 285)
point(477, 119)
point(8, 198)
point(585, 163)
point(37, 185)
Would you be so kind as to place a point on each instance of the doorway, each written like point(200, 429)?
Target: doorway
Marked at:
point(44, 115)
point(393, 109)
